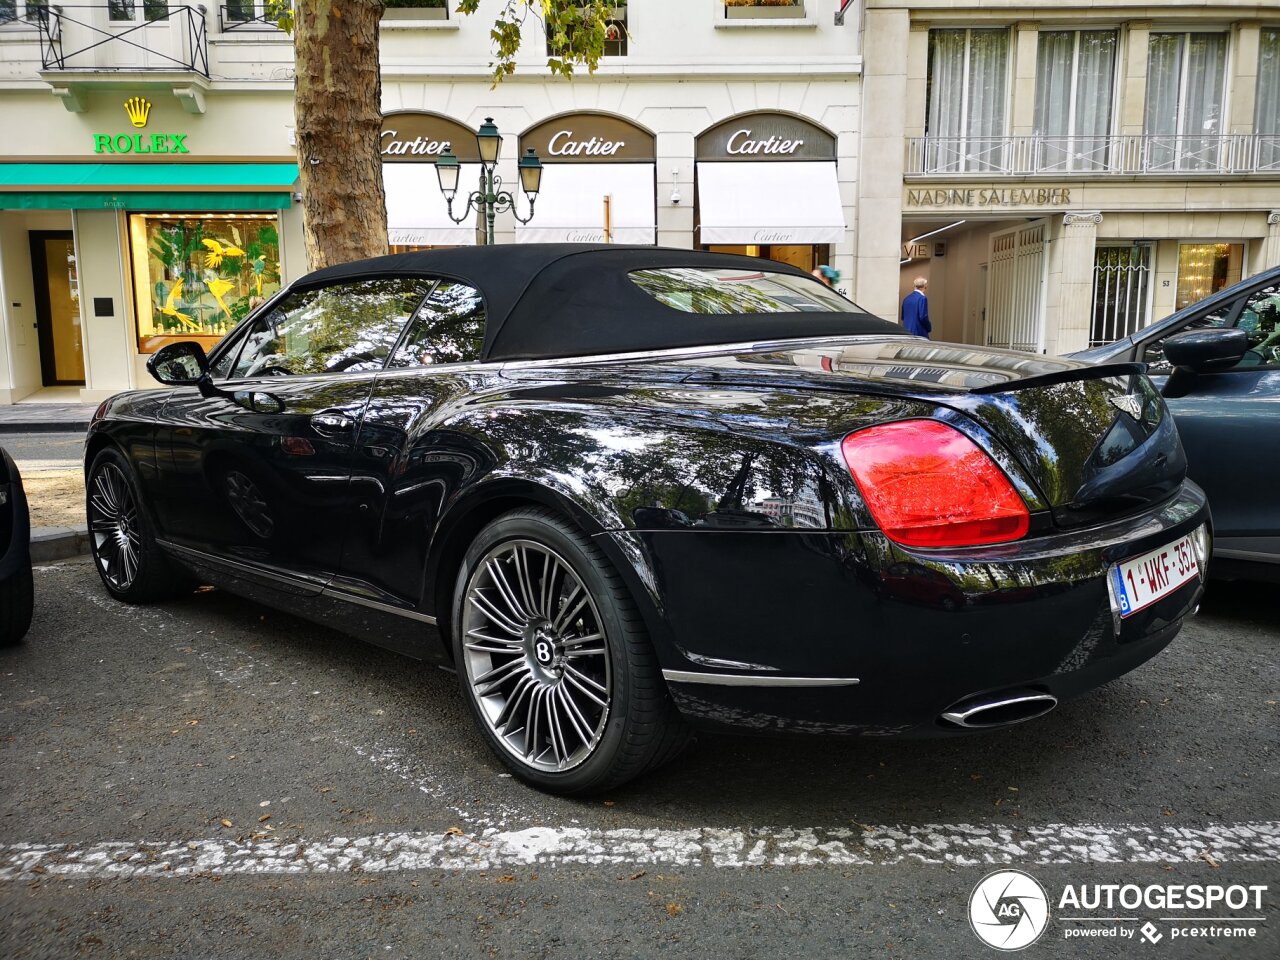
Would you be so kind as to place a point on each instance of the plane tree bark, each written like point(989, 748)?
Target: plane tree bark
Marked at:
point(338, 111)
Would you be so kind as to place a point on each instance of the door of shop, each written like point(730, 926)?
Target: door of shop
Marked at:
point(53, 267)
point(1015, 287)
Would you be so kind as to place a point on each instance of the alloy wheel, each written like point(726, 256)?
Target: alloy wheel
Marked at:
point(113, 525)
point(536, 655)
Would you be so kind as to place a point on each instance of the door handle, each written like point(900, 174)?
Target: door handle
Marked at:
point(333, 423)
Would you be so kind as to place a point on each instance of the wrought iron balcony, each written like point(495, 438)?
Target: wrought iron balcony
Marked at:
point(121, 35)
point(1118, 155)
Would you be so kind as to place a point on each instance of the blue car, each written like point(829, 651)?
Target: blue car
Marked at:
point(1218, 364)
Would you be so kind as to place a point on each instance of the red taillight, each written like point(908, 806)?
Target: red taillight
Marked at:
point(928, 485)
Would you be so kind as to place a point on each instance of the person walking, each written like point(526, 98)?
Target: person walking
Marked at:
point(915, 310)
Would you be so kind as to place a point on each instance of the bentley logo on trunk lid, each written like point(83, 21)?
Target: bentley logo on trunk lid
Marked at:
point(1129, 403)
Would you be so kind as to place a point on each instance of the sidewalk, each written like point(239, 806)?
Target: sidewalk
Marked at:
point(45, 417)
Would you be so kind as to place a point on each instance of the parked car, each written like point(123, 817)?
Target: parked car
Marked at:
point(17, 589)
point(1228, 413)
point(543, 464)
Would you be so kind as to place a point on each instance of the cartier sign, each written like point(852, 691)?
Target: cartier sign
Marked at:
point(589, 138)
point(419, 137)
point(766, 136)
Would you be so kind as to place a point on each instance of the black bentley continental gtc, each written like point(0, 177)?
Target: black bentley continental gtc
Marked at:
point(629, 491)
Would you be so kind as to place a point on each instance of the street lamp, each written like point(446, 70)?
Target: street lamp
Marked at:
point(490, 198)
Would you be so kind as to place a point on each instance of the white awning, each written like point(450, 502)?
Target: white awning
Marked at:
point(769, 202)
point(570, 207)
point(416, 211)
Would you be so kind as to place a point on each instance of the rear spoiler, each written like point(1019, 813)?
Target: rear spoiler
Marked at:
point(1096, 372)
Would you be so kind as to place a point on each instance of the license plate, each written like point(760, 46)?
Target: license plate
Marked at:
point(1143, 580)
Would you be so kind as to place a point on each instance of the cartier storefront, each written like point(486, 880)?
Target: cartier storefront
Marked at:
point(767, 185)
point(598, 181)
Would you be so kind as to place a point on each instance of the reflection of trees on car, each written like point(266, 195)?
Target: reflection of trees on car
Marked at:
point(345, 328)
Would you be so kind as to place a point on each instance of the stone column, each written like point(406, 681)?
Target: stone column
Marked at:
point(1075, 292)
point(1271, 245)
point(1133, 84)
point(1026, 38)
point(1244, 78)
point(881, 160)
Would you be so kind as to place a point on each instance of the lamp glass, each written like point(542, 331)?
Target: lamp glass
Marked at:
point(447, 170)
point(530, 172)
point(489, 141)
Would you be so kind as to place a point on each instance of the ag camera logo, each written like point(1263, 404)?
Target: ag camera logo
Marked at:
point(1008, 910)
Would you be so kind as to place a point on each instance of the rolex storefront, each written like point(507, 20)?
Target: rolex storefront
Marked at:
point(133, 221)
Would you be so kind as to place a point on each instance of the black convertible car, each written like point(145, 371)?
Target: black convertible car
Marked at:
point(627, 491)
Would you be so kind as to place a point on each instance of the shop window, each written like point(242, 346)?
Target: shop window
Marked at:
point(195, 277)
point(1206, 268)
point(616, 36)
point(1266, 121)
point(1075, 75)
point(1186, 84)
point(763, 9)
point(968, 100)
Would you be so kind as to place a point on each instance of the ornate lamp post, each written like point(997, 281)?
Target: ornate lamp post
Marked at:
point(490, 198)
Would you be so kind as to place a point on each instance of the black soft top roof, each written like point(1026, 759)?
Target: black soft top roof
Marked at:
point(568, 299)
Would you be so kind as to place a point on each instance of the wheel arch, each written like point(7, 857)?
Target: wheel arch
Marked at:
point(464, 520)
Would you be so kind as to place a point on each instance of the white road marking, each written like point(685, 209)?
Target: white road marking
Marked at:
point(493, 844)
point(938, 844)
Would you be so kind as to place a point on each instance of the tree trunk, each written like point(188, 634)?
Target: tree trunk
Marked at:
point(338, 110)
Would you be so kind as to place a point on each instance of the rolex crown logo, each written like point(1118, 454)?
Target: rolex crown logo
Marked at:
point(138, 109)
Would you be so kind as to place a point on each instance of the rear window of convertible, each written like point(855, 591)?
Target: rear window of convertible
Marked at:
point(717, 290)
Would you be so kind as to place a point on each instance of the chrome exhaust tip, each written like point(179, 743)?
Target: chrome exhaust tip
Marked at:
point(1001, 710)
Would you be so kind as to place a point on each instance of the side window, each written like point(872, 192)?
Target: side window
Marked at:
point(346, 328)
point(1153, 353)
point(1258, 320)
point(449, 328)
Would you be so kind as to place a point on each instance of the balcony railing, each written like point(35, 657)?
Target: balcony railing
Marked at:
point(82, 38)
point(1093, 156)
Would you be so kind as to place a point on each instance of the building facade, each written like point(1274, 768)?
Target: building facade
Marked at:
point(151, 195)
point(1063, 174)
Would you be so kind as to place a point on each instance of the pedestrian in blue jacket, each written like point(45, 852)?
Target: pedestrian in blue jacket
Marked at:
point(915, 310)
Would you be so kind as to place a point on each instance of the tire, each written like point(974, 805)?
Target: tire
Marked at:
point(557, 668)
point(17, 598)
point(125, 554)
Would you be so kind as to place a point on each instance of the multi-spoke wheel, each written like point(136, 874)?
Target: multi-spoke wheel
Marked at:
point(130, 564)
point(554, 660)
point(113, 525)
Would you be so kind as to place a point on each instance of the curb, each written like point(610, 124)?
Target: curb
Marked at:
point(58, 543)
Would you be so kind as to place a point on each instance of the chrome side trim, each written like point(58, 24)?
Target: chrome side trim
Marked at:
point(321, 590)
point(333, 594)
point(1247, 555)
point(201, 557)
point(756, 680)
point(679, 353)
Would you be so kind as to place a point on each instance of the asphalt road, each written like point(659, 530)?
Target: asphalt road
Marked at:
point(45, 451)
point(207, 778)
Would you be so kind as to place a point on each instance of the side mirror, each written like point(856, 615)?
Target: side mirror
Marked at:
point(1201, 351)
point(178, 364)
point(1206, 351)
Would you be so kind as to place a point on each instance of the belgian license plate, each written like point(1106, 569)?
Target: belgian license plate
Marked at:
point(1143, 580)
